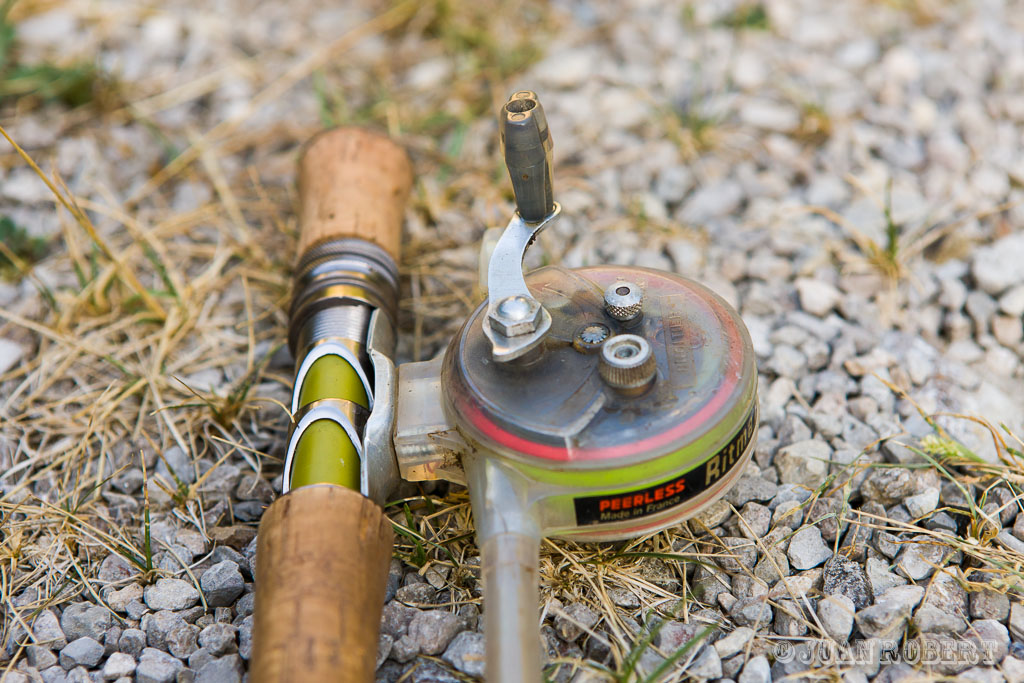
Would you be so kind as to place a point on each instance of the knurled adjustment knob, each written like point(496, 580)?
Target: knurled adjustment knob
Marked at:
point(623, 301)
point(627, 363)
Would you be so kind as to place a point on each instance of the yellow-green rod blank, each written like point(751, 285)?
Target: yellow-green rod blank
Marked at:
point(325, 454)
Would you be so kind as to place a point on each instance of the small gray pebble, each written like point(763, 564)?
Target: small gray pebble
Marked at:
point(243, 607)
point(84, 651)
point(245, 638)
point(756, 670)
point(171, 594)
point(806, 549)
point(836, 614)
point(395, 618)
point(199, 658)
point(989, 604)
point(574, 620)
point(118, 665)
point(842, 576)
point(227, 669)
point(219, 639)
point(132, 641)
point(384, 643)
point(222, 584)
point(83, 619)
point(466, 653)
point(40, 657)
point(255, 488)
point(433, 630)
point(157, 667)
point(404, 649)
point(416, 593)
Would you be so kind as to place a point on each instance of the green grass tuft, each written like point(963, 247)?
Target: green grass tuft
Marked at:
point(73, 85)
point(746, 16)
point(19, 246)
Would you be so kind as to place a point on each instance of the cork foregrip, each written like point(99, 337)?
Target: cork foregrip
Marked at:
point(353, 183)
point(321, 572)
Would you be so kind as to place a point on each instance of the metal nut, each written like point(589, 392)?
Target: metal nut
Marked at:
point(623, 301)
point(627, 363)
point(515, 315)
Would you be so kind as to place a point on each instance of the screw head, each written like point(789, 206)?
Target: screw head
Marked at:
point(590, 337)
point(516, 315)
point(627, 363)
point(624, 301)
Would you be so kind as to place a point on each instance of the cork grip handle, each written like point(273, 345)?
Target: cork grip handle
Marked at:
point(353, 183)
point(321, 571)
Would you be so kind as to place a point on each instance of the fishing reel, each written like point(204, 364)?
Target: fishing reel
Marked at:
point(595, 403)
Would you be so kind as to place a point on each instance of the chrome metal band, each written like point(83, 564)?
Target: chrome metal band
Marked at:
point(336, 410)
point(346, 271)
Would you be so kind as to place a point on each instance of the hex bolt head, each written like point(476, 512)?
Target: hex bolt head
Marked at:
point(624, 301)
point(627, 363)
point(516, 315)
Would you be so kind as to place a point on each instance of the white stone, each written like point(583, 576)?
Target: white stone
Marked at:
point(922, 503)
point(901, 64)
point(816, 296)
point(749, 71)
point(171, 594)
point(430, 74)
point(858, 54)
point(997, 266)
point(769, 115)
point(1012, 303)
point(756, 670)
point(566, 68)
point(804, 462)
point(23, 185)
point(10, 354)
point(706, 665)
point(47, 28)
point(623, 109)
point(712, 201)
point(1007, 330)
point(806, 549)
point(734, 642)
point(118, 665)
point(836, 615)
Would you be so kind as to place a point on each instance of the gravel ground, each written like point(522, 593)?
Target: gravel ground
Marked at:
point(849, 175)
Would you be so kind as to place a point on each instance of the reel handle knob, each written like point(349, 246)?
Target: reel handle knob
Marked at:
point(527, 146)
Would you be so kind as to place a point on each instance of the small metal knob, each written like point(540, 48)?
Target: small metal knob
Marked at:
point(627, 363)
point(623, 301)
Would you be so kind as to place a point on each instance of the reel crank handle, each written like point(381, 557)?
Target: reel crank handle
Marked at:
point(324, 547)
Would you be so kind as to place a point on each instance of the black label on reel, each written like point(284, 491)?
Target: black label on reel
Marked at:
point(615, 507)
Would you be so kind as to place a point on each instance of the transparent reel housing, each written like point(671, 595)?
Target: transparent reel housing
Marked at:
point(600, 463)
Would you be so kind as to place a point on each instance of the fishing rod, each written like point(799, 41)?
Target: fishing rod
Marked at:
point(596, 403)
point(324, 546)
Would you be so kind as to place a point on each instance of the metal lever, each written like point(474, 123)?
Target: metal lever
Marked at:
point(516, 322)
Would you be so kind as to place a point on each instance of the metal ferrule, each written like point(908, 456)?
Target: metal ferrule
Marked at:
point(334, 275)
point(345, 305)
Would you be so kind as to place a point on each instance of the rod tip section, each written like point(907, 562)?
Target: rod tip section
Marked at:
point(527, 145)
point(353, 183)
